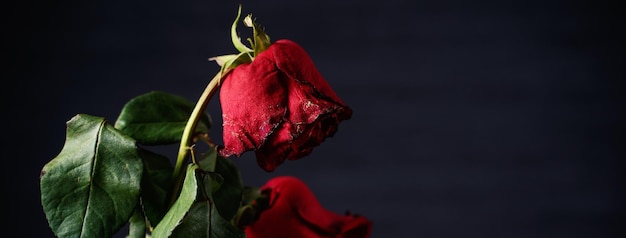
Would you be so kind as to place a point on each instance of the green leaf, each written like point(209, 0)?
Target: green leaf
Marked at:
point(254, 202)
point(221, 228)
point(212, 182)
point(228, 193)
point(91, 187)
point(222, 59)
point(228, 197)
point(196, 224)
point(158, 118)
point(179, 209)
point(156, 184)
point(137, 227)
point(208, 161)
point(193, 214)
point(230, 62)
point(251, 194)
point(235, 38)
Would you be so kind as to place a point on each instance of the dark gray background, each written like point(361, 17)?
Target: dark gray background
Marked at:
point(471, 119)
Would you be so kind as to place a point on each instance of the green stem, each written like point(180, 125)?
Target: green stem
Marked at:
point(187, 137)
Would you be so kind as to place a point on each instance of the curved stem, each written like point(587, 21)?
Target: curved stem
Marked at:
point(187, 138)
point(186, 141)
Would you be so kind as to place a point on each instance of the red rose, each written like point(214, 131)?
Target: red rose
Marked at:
point(295, 212)
point(279, 105)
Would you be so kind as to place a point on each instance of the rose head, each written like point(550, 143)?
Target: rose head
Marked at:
point(294, 211)
point(279, 105)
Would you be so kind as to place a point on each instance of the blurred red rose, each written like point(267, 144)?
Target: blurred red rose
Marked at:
point(294, 211)
point(279, 105)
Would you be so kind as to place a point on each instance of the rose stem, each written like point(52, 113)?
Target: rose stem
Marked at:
point(187, 137)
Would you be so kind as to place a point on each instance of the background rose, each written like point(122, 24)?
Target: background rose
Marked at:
point(278, 105)
point(294, 211)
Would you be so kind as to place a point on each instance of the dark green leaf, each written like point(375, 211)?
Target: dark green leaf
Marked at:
point(221, 228)
point(158, 118)
point(196, 224)
point(228, 197)
point(250, 194)
point(212, 182)
point(208, 160)
point(179, 209)
point(193, 214)
point(91, 187)
point(137, 224)
point(155, 185)
point(254, 202)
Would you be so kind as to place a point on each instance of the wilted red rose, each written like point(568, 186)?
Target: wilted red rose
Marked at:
point(279, 105)
point(294, 211)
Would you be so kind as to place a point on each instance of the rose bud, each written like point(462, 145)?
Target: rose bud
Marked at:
point(278, 105)
point(294, 211)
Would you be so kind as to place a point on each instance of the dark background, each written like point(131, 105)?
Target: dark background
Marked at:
point(471, 118)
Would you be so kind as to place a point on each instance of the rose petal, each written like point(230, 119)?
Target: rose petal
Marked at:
point(250, 112)
point(294, 211)
point(279, 105)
